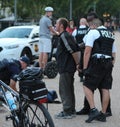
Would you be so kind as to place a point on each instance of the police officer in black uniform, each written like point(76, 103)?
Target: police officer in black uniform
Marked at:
point(12, 67)
point(79, 33)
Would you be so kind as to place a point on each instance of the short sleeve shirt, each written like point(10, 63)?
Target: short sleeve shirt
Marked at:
point(45, 23)
point(92, 36)
point(14, 69)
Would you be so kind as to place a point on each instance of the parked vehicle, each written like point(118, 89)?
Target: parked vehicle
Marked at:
point(17, 41)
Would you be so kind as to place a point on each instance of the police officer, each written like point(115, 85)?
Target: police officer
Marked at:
point(12, 67)
point(99, 58)
point(86, 108)
point(81, 30)
point(79, 33)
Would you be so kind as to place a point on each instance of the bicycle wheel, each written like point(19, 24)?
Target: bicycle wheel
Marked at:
point(15, 118)
point(38, 115)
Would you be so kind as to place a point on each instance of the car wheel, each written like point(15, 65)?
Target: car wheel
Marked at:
point(28, 53)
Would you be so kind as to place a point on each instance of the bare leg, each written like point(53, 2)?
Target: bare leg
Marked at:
point(40, 60)
point(105, 99)
point(90, 96)
point(45, 59)
point(109, 104)
point(94, 113)
point(13, 84)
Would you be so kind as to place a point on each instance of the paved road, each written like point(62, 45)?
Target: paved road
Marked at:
point(79, 121)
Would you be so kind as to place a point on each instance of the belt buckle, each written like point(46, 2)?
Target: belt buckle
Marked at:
point(102, 57)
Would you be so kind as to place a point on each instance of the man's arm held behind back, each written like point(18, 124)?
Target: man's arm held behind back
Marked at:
point(76, 56)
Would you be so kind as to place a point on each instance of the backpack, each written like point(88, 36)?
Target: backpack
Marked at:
point(51, 96)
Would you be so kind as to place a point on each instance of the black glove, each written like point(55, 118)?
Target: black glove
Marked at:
point(85, 72)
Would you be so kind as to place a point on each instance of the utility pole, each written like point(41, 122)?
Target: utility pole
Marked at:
point(15, 11)
point(94, 6)
point(70, 9)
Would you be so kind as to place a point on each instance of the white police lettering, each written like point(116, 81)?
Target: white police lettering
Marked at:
point(107, 34)
point(82, 31)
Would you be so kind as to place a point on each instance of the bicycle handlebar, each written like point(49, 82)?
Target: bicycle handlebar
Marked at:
point(9, 88)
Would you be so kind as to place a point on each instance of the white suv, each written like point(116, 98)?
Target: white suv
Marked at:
point(17, 41)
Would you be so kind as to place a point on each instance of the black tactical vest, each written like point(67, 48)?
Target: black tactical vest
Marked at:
point(80, 34)
point(103, 45)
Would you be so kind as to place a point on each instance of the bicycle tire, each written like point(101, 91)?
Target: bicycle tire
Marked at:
point(51, 69)
point(38, 115)
point(14, 122)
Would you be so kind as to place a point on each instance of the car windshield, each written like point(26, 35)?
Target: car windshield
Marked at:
point(15, 33)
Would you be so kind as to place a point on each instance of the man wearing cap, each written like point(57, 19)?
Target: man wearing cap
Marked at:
point(45, 31)
point(12, 67)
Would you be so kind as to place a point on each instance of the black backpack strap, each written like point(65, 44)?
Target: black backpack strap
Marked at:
point(77, 30)
point(99, 30)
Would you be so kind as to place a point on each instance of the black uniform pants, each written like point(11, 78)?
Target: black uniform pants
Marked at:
point(81, 63)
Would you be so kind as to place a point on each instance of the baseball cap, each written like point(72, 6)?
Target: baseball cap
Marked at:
point(47, 9)
point(25, 59)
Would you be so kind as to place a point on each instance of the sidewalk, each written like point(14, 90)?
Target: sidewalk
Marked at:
point(79, 121)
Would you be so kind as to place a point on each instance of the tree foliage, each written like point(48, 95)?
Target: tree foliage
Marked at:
point(35, 8)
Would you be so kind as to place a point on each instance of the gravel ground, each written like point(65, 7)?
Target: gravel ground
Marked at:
point(79, 121)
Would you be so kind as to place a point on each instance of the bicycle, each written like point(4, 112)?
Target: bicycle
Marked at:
point(30, 111)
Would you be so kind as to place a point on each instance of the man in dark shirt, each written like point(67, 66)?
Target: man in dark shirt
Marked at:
point(68, 57)
point(10, 68)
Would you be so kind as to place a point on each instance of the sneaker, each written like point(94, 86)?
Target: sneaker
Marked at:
point(108, 114)
point(74, 114)
point(83, 111)
point(63, 115)
point(94, 113)
point(101, 117)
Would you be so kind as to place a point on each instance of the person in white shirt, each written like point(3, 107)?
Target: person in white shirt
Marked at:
point(46, 28)
point(99, 57)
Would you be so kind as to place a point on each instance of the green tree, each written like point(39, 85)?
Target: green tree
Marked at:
point(33, 9)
